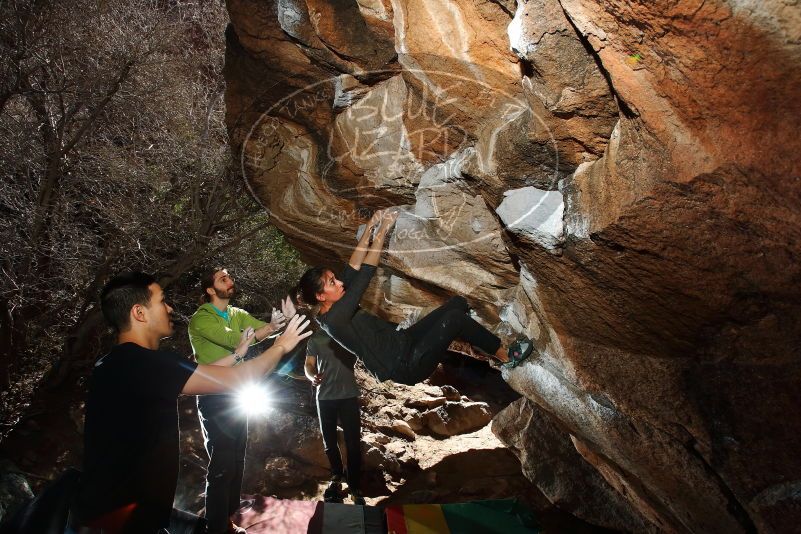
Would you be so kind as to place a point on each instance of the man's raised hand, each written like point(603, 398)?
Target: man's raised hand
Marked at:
point(288, 308)
point(295, 332)
point(244, 342)
point(277, 320)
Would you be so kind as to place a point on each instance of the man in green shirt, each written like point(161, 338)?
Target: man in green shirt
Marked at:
point(215, 331)
point(216, 326)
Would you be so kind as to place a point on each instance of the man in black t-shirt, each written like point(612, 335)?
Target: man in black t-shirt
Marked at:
point(131, 430)
point(131, 436)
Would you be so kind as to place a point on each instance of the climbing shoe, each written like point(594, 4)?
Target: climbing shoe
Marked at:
point(333, 493)
point(357, 497)
point(518, 352)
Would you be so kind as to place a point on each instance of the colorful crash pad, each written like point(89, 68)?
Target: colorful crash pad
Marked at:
point(276, 516)
point(504, 516)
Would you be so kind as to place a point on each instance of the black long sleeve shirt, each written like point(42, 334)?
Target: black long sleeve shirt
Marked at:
point(372, 339)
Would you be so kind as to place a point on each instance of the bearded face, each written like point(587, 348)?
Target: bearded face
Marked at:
point(223, 285)
point(225, 293)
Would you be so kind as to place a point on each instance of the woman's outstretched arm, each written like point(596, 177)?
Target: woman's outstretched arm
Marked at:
point(387, 218)
point(357, 283)
point(363, 246)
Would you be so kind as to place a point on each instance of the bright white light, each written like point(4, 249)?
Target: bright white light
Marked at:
point(253, 399)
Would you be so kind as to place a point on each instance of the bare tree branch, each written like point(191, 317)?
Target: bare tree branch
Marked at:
point(98, 109)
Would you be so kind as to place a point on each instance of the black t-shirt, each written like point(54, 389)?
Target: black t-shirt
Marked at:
point(376, 341)
point(131, 437)
point(336, 364)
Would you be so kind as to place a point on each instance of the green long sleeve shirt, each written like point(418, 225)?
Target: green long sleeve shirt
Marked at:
point(212, 337)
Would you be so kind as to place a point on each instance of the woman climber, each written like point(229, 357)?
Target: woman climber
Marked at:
point(407, 356)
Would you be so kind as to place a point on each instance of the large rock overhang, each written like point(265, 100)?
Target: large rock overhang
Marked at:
point(620, 181)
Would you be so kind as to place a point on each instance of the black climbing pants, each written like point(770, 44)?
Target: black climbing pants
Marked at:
point(431, 335)
point(347, 411)
point(225, 431)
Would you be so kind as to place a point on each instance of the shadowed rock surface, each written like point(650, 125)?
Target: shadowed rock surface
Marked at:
point(618, 180)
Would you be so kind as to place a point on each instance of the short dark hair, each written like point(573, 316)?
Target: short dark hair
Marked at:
point(207, 281)
point(120, 294)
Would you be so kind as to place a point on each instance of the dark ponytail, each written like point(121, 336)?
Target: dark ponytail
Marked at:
point(309, 285)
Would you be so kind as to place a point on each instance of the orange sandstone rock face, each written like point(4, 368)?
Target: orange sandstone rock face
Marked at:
point(621, 181)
